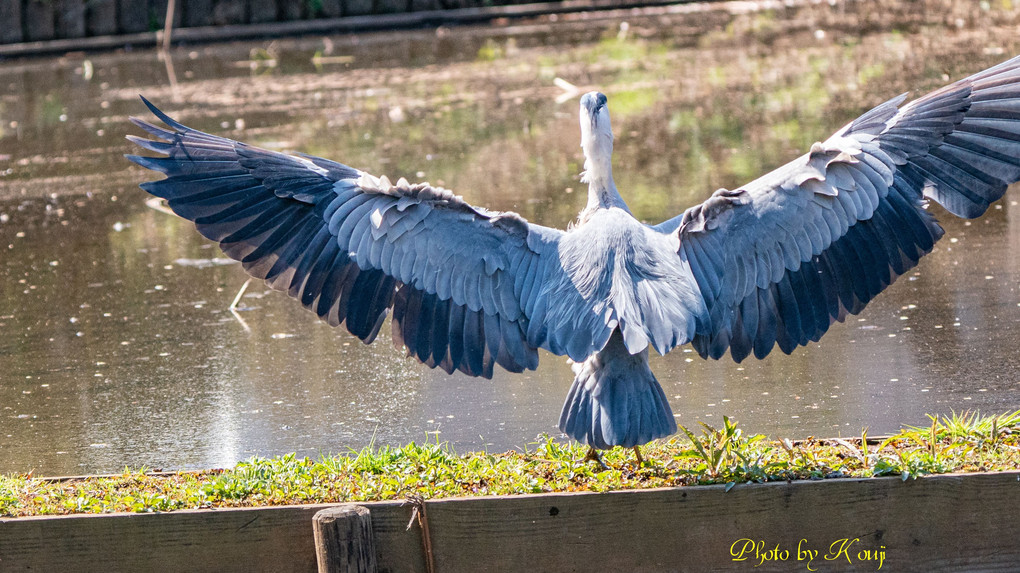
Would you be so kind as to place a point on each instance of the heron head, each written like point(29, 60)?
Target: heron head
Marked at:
point(596, 135)
point(594, 118)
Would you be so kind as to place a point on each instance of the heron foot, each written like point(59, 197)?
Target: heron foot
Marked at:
point(638, 456)
point(593, 456)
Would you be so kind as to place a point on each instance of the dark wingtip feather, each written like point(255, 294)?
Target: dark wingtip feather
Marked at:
point(138, 160)
point(153, 188)
point(153, 163)
point(153, 129)
point(155, 146)
point(162, 116)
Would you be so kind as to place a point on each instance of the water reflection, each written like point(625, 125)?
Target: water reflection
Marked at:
point(117, 345)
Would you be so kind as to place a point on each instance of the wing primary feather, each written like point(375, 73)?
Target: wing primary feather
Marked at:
point(426, 323)
point(441, 334)
point(409, 320)
point(397, 322)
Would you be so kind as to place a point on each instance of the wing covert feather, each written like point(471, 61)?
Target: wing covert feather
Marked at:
point(824, 234)
point(462, 282)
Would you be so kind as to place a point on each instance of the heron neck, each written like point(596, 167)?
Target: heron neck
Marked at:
point(598, 174)
point(602, 193)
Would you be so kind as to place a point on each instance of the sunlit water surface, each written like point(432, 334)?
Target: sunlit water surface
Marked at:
point(117, 345)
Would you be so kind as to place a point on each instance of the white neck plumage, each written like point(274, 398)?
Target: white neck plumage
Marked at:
point(597, 144)
point(602, 192)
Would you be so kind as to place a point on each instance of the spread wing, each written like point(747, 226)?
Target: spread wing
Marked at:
point(464, 284)
point(780, 259)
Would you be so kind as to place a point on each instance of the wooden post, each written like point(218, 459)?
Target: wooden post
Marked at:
point(422, 5)
point(10, 13)
point(197, 13)
point(70, 18)
point(289, 10)
point(157, 12)
point(356, 7)
point(101, 17)
point(168, 31)
point(391, 6)
point(229, 12)
point(39, 20)
point(132, 16)
point(260, 11)
point(343, 540)
point(330, 9)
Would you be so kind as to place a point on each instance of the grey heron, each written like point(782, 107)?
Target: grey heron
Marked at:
point(771, 264)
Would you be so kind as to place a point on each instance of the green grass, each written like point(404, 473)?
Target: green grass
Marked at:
point(964, 442)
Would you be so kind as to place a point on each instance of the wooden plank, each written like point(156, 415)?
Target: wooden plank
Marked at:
point(249, 539)
point(940, 523)
point(39, 20)
point(10, 14)
point(101, 17)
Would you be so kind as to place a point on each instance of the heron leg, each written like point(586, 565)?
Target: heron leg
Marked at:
point(640, 458)
point(593, 456)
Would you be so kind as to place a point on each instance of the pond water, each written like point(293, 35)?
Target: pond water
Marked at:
point(117, 345)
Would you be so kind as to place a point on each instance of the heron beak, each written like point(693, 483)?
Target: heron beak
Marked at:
point(592, 102)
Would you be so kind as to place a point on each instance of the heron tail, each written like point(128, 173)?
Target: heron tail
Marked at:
point(615, 400)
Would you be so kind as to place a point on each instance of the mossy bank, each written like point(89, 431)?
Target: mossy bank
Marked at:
point(958, 443)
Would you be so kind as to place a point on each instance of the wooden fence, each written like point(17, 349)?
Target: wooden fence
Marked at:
point(963, 522)
point(42, 20)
